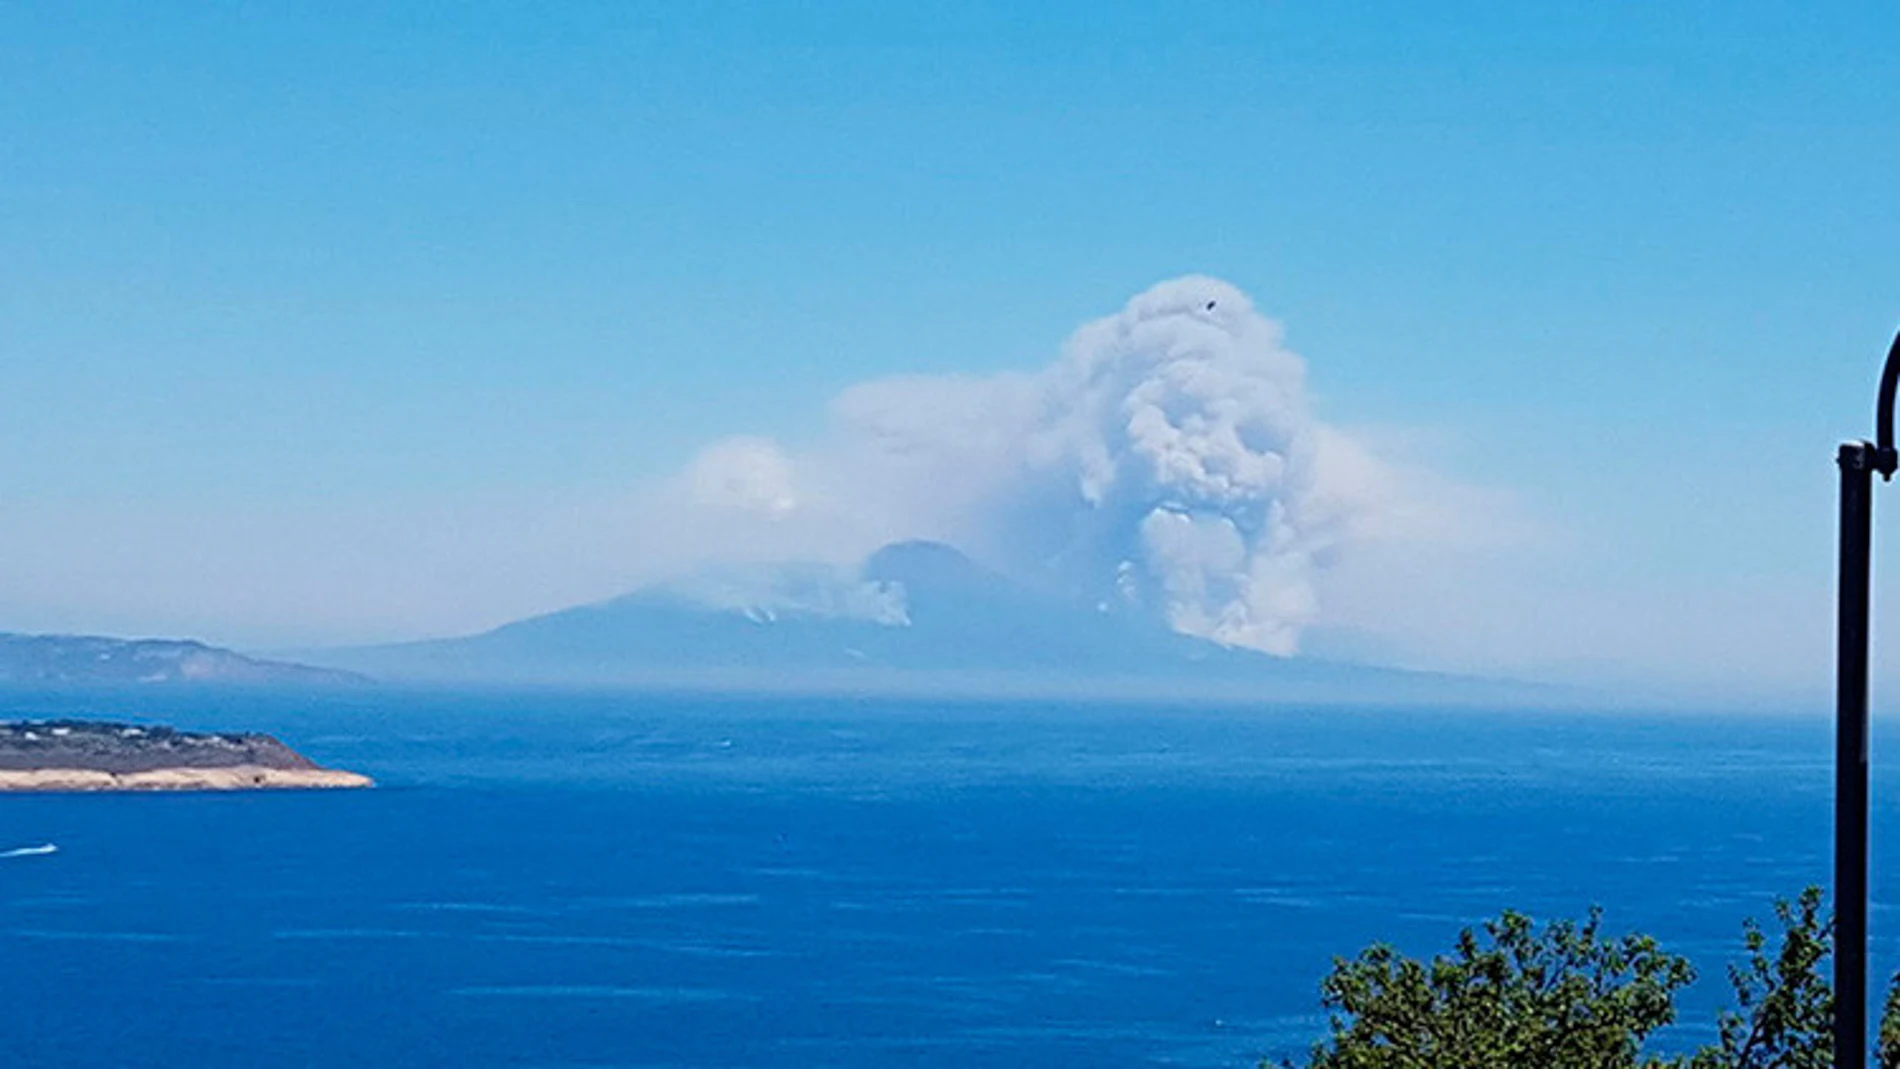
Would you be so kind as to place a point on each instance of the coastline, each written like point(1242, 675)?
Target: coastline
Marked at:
point(228, 778)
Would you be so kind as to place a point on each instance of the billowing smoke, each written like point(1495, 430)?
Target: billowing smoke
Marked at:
point(1169, 462)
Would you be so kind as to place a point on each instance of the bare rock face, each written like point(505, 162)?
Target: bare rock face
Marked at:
point(84, 755)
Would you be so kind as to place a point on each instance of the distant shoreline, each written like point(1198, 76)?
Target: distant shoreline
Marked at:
point(236, 778)
point(88, 756)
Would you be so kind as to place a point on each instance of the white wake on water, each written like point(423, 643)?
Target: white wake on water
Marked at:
point(30, 851)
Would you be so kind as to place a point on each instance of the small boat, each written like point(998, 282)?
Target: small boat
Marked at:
point(31, 851)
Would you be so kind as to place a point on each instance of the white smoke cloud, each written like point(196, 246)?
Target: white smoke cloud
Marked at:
point(803, 590)
point(1168, 462)
point(745, 475)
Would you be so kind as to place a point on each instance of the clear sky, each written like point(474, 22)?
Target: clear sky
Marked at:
point(349, 322)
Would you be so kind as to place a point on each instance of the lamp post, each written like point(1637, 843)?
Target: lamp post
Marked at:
point(1858, 462)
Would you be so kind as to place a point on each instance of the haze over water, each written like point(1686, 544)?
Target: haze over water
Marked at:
point(639, 880)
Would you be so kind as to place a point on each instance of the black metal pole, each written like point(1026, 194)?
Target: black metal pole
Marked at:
point(1857, 462)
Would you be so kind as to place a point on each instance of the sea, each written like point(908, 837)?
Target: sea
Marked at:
point(593, 879)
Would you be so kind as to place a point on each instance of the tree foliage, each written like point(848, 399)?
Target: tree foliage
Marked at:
point(1509, 996)
point(1567, 996)
point(1784, 1003)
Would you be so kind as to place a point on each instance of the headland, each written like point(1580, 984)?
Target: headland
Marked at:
point(87, 755)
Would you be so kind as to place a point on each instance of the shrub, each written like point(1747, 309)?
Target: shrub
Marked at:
point(1512, 995)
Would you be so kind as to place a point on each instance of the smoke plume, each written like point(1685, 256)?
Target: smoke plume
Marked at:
point(1169, 462)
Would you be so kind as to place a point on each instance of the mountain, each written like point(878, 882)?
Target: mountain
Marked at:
point(87, 660)
point(918, 616)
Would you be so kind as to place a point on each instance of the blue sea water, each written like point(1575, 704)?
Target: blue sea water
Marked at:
point(581, 880)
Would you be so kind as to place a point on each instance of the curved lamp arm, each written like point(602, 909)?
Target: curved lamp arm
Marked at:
point(1886, 459)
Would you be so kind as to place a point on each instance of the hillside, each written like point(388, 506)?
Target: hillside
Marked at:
point(91, 660)
point(916, 616)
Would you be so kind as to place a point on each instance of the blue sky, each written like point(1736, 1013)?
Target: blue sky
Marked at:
point(332, 322)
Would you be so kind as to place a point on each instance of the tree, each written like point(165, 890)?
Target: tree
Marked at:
point(1510, 996)
point(1567, 996)
point(1785, 1005)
